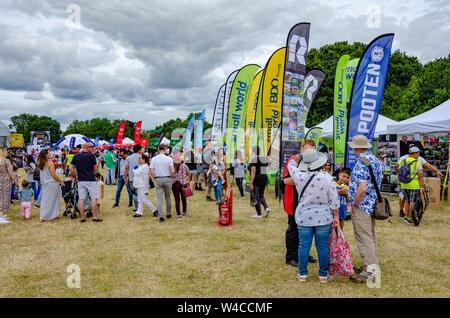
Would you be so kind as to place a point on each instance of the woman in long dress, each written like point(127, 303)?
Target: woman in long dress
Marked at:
point(50, 204)
point(6, 176)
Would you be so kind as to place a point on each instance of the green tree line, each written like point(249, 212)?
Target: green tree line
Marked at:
point(411, 88)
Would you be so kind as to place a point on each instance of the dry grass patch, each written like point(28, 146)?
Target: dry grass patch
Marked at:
point(127, 257)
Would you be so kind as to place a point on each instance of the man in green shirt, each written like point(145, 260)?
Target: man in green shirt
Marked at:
point(110, 159)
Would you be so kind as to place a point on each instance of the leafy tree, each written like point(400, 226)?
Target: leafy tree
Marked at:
point(25, 123)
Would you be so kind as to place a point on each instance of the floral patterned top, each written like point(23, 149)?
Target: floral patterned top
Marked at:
point(318, 200)
point(360, 173)
point(181, 175)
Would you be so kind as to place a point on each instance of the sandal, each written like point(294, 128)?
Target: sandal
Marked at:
point(301, 278)
point(83, 220)
point(325, 279)
point(97, 220)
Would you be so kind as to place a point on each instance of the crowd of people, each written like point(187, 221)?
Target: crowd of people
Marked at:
point(317, 198)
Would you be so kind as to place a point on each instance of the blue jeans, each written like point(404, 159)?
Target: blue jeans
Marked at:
point(218, 190)
point(239, 184)
point(110, 176)
point(322, 238)
point(120, 184)
point(38, 202)
point(35, 190)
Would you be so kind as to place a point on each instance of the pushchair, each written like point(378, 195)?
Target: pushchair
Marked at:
point(419, 208)
point(72, 198)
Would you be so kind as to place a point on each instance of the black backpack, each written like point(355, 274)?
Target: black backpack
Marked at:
point(37, 175)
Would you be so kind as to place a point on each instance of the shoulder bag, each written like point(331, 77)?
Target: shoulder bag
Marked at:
point(382, 209)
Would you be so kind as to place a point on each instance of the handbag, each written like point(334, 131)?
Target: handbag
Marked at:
point(340, 260)
point(187, 192)
point(37, 175)
point(382, 209)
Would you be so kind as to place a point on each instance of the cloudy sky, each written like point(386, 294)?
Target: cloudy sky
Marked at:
point(156, 60)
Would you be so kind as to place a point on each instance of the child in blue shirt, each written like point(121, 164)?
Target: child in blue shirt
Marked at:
point(25, 199)
point(342, 187)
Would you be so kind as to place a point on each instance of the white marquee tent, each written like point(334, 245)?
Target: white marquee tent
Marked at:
point(380, 129)
point(433, 121)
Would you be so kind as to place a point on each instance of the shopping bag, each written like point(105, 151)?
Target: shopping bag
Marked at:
point(340, 260)
point(187, 192)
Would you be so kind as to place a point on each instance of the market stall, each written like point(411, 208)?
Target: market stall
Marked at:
point(430, 132)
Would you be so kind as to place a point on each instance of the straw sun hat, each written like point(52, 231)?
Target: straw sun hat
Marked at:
point(360, 141)
point(312, 160)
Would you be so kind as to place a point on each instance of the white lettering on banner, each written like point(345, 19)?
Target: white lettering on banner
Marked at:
point(368, 105)
point(300, 53)
point(310, 89)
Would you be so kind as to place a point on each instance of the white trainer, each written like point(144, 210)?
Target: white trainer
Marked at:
point(266, 214)
point(256, 216)
point(4, 221)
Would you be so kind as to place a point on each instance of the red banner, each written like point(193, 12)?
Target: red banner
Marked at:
point(144, 143)
point(120, 133)
point(137, 133)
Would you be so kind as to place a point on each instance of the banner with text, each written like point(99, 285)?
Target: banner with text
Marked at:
point(293, 123)
point(217, 124)
point(272, 96)
point(340, 110)
point(367, 93)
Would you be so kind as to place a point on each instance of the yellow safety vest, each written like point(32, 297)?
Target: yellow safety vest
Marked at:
point(414, 173)
point(69, 159)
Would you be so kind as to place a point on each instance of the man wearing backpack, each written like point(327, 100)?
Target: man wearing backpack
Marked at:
point(411, 181)
point(425, 165)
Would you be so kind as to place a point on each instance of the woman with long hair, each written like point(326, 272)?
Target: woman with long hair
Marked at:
point(239, 171)
point(180, 181)
point(327, 168)
point(6, 176)
point(50, 204)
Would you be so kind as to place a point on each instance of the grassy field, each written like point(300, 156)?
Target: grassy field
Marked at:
point(128, 257)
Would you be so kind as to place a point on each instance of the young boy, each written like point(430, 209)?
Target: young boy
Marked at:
point(342, 186)
point(216, 181)
point(25, 199)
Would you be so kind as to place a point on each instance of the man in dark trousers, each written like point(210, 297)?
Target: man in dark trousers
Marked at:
point(290, 204)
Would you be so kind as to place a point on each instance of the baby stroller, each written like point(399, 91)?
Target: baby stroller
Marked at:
point(72, 198)
point(420, 207)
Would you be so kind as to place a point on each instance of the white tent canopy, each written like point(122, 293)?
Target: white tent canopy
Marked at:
point(380, 129)
point(432, 121)
point(127, 141)
point(65, 141)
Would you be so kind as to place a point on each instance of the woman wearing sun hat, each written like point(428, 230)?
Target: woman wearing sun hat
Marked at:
point(317, 211)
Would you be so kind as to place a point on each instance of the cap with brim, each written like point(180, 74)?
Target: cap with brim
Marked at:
point(414, 150)
point(312, 160)
point(360, 141)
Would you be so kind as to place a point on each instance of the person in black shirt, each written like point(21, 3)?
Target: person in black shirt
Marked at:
point(258, 181)
point(86, 168)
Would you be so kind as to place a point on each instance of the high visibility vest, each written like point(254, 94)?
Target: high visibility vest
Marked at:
point(414, 173)
point(69, 159)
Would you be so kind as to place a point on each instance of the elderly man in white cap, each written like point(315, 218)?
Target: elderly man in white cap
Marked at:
point(413, 189)
point(362, 200)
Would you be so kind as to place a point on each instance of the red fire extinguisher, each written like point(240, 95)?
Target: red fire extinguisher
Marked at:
point(226, 210)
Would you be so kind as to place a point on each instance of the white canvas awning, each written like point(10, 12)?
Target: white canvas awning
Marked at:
point(432, 121)
point(380, 129)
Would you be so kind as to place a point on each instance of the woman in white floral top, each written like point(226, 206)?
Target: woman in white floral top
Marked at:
point(180, 181)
